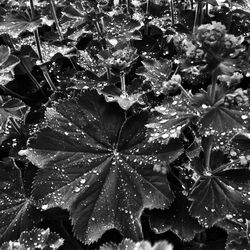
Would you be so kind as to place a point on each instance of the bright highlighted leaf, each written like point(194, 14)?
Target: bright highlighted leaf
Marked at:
point(7, 65)
point(222, 189)
point(97, 163)
point(171, 119)
point(10, 107)
point(142, 245)
point(157, 72)
point(177, 219)
point(14, 25)
point(35, 239)
point(16, 210)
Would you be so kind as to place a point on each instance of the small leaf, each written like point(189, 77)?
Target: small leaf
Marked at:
point(177, 219)
point(10, 107)
point(157, 72)
point(16, 210)
point(171, 119)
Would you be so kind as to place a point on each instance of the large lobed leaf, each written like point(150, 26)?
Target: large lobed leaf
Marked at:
point(16, 210)
point(97, 163)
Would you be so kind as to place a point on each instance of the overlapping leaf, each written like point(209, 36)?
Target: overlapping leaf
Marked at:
point(171, 119)
point(176, 219)
point(222, 189)
point(121, 27)
point(16, 210)
point(97, 163)
point(35, 239)
point(157, 72)
point(142, 245)
point(7, 64)
point(10, 107)
point(217, 119)
point(14, 25)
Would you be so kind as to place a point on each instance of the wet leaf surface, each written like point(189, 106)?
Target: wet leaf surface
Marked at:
point(97, 163)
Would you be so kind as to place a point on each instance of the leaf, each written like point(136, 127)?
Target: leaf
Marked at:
point(16, 210)
point(10, 107)
point(97, 164)
point(217, 119)
point(34, 240)
point(177, 219)
point(121, 27)
point(14, 25)
point(157, 72)
point(49, 49)
point(237, 233)
point(142, 245)
point(7, 64)
point(171, 119)
point(241, 143)
point(222, 189)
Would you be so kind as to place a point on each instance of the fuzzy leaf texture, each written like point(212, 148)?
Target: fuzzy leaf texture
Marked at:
point(16, 210)
point(36, 239)
point(222, 189)
point(97, 163)
point(142, 245)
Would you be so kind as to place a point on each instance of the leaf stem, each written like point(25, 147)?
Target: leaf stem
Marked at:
point(14, 124)
point(123, 83)
point(172, 11)
point(10, 92)
point(147, 7)
point(52, 3)
point(198, 15)
point(208, 155)
point(47, 77)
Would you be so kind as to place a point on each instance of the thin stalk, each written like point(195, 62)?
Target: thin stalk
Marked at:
point(206, 9)
point(38, 45)
point(191, 4)
point(33, 79)
point(172, 11)
point(36, 33)
point(123, 83)
point(198, 15)
point(147, 7)
point(11, 92)
point(108, 73)
point(15, 125)
point(214, 85)
point(47, 77)
point(52, 3)
point(208, 156)
point(248, 54)
point(128, 7)
point(186, 94)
